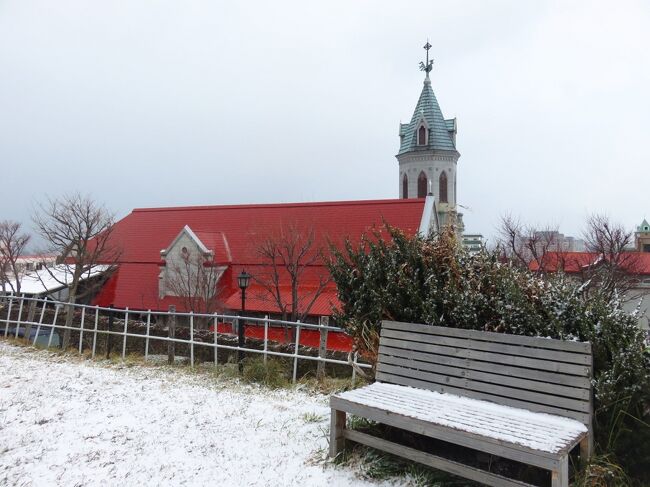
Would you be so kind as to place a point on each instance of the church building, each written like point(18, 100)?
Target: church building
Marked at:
point(170, 254)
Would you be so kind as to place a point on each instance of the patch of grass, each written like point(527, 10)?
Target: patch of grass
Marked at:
point(602, 471)
point(331, 385)
point(378, 465)
point(312, 418)
point(272, 374)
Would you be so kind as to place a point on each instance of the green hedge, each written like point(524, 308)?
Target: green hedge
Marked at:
point(389, 275)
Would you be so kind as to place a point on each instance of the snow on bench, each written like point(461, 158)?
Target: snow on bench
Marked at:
point(537, 431)
point(527, 399)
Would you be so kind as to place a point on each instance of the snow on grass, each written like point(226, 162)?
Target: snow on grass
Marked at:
point(69, 422)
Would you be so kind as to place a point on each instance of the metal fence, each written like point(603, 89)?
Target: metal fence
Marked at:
point(36, 319)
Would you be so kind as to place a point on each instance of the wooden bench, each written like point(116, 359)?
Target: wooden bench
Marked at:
point(522, 398)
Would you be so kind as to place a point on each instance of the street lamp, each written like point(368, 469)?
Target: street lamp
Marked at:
point(243, 280)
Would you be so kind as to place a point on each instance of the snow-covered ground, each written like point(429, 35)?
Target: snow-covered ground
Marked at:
point(72, 422)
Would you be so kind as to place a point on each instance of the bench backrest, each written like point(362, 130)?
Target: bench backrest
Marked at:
point(538, 374)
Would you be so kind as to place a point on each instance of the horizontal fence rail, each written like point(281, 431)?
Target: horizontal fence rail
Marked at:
point(42, 316)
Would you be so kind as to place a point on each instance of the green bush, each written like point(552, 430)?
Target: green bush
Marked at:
point(392, 276)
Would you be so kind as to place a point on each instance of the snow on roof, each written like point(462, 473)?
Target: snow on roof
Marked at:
point(52, 279)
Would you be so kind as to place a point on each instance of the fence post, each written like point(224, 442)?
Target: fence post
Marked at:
point(295, 358)
point(171, 333)
point(266, 337)
point(146, 342)
point(81, 329)
point(241, 331)
point(215, 340)
point(354, 369)
point(11, 302)
point(322, 347)
point(126, 322)
point(192, 339)
point(40, 321)
point(20, 315)
point(95, 331)
point(30, 319)
point(56, 315)
point(109, 341)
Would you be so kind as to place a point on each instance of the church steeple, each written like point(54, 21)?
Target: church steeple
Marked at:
point(427, 154)
point(428, 128)
point(440, 133)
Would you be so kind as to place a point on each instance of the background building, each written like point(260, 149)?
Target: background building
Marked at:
point(642, 237)
point(473, 242)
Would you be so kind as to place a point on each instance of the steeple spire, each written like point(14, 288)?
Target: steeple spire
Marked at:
point(429, 65)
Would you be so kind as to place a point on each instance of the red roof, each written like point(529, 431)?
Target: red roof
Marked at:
point(575, 262)
point(233, 233)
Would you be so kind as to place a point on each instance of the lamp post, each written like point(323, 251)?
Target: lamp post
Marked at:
point(242, 279)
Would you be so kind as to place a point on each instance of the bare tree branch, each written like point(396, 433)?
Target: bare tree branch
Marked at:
point(615, 269)
point(288, 254)
point(79, 230)
point(12, 246)
point(195, 281)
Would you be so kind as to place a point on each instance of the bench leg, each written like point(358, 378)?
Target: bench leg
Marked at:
point(586, 447)
point(337, 425)
point(560, 476)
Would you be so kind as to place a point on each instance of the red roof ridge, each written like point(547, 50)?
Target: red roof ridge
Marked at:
point(283, 205)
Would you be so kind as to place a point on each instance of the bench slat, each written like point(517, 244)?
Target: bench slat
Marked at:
point(471, 344)
point(532, 363)
point(549, 388)
point(434, 461)
point(525, 396)
point(570, 346)
point(507, 370)
point(508, 401)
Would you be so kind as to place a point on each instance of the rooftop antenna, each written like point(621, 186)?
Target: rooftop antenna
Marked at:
point(429, 64)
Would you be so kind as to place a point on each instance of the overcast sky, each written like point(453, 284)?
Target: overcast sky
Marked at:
point(162, 103)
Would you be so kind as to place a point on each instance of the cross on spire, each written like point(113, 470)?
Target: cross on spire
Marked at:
point(429, 65)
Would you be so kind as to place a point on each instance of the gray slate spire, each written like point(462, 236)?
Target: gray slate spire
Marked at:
point(441, 135)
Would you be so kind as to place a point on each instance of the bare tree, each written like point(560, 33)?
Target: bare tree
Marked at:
point(616, 265)
point(12, 245)
point(288, 254)
point(610, 268)
point(524, 245)
point(79, 230)
point(194, 279)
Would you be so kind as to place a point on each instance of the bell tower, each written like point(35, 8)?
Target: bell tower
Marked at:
point(427, 154)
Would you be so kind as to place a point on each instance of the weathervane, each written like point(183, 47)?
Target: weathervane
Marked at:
point(429, 65)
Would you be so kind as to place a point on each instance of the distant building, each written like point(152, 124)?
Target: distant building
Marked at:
point(549, 241)
point(34, 262)
point(642, 237)
point(473, 242)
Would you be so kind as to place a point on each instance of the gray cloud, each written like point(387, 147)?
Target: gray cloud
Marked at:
point(163, 103)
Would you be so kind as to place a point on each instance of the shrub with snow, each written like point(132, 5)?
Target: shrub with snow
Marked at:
point(389, 275)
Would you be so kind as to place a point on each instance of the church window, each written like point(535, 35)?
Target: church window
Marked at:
point(422, 185)
point(422, 135)
point(443, 188)
point(405, 187)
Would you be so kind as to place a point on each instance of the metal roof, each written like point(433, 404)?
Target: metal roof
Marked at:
point(440, 130)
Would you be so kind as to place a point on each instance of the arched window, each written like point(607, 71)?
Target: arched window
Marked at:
point(422, 185)
point(422, 135)
point(443, 187)
point(405, 186)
